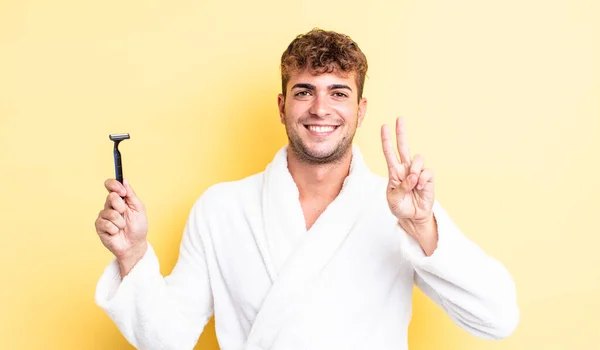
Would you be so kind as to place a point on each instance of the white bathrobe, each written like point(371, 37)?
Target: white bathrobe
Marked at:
point(346, 283)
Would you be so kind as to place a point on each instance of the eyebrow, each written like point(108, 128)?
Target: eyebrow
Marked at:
point(312, 87)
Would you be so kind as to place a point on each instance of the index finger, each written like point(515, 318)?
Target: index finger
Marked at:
point(388, 148)
point(402, 141)
point(112, 185)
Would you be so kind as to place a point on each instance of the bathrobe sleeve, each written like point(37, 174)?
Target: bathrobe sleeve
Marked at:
point(474, 289)
point(153, 312)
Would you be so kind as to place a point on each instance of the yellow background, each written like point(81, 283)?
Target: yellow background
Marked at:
point(502, 99)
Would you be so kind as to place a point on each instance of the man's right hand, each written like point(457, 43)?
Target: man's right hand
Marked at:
point(122, 225)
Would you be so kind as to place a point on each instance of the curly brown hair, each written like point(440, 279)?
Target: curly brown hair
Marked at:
point(324, 52)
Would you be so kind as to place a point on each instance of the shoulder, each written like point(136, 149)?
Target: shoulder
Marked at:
point(375, 188)
point(377, 180)
point(231, 195)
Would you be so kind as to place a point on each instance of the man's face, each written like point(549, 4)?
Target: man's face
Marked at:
point(321, 114)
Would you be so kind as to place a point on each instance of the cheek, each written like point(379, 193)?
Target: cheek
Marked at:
point(295, 111)
point(348, 113)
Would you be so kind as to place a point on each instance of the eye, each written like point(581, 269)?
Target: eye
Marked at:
point(340, 94)
point(302, 93)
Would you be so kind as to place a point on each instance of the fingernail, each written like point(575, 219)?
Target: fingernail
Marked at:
point(420, 187)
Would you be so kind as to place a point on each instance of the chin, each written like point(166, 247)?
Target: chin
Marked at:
point(320, 149)
point(319, 154)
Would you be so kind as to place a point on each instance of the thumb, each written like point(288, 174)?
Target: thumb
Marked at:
point(131, 198)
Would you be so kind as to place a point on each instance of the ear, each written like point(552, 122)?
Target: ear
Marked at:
point(362, 110)
point(281, 105)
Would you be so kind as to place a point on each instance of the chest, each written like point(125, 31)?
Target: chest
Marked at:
point(367, 261)
point(312, 209)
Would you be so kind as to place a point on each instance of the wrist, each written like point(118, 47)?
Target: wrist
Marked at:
point(131, 257)
point(419, 227)
point(424, 231)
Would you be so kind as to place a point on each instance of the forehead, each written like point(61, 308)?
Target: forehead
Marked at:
point(322, 79)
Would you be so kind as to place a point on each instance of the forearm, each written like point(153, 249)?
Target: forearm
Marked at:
point(475, 289)
point(152, 311)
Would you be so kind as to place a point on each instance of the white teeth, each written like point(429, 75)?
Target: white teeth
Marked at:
point(316, 128)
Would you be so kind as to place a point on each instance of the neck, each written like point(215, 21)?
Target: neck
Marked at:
point(319, 181)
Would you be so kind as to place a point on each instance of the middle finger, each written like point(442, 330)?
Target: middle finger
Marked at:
point(114, 201)
point(114, 217)
point(402, 141)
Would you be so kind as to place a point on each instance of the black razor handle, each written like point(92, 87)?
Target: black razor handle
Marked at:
point(118, 166)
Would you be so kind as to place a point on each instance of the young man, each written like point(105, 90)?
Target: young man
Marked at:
point(316, 252)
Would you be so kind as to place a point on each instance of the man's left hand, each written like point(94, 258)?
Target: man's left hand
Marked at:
point(410, 191)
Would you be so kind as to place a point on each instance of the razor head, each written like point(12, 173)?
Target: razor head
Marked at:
point(118, 137)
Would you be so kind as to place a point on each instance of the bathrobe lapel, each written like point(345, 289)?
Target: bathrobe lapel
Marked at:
point(295, 257)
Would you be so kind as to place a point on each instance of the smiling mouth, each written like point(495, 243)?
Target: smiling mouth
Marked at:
point(321, 129)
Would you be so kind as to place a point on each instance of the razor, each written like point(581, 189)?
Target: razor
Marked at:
point(117, 138)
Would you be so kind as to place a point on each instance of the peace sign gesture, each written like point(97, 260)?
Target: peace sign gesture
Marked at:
point(410, 192)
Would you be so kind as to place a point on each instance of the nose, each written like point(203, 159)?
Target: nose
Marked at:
point(320, 106)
